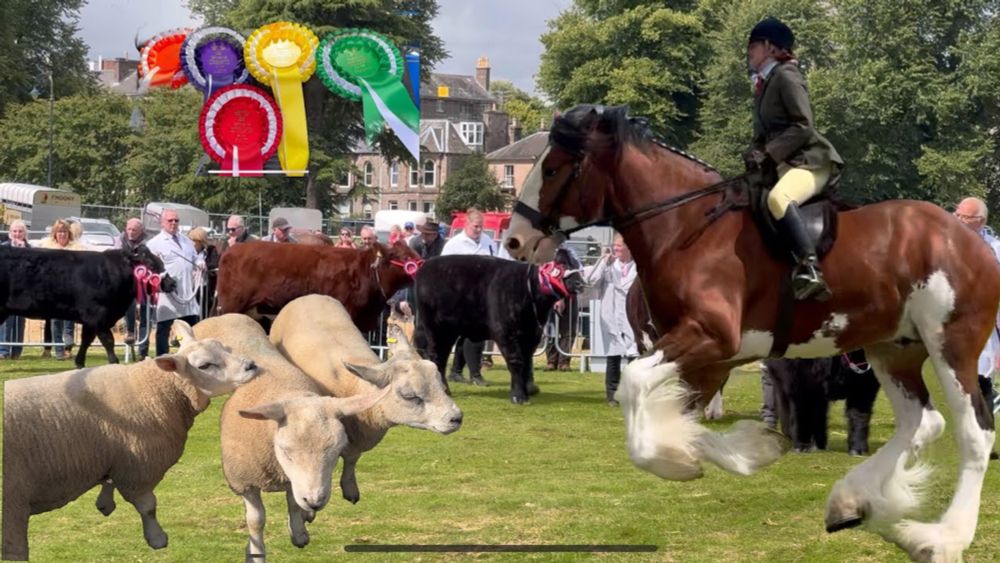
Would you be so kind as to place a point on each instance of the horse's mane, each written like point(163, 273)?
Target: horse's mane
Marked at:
point(571, 130)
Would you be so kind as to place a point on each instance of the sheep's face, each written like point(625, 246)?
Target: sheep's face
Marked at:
point(417, 397)
point(309, 439)
point(208, 365)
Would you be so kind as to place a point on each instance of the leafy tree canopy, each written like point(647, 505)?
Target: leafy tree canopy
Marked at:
point(473, 184)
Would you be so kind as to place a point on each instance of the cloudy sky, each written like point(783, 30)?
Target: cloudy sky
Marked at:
point(507, 32)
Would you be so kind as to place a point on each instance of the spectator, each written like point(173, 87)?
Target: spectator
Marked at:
point(561, 328)
point(346, 239)
point(428, 245)
point(12, 329)
point(395, 234)
point(973, 212)
point(281, 231)
point(61, 238)
point(133, 237)
point(368, 236)
point(409, 232)
point(236, 232)
point(180, 261)
point(613, 275)
point(471, 241)
point(205, 283)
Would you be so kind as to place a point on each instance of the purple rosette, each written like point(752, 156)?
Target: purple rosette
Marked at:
point(212, 58)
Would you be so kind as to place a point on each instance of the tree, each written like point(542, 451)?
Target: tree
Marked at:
point(335, 124)
point(530, 112)
point(473, 184)
point(37, 36)
point(643, 54)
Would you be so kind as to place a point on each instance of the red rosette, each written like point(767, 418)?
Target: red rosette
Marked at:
point(240, 128)
point(160, 60)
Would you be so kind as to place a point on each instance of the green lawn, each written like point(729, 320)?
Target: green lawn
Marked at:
point(554, 472)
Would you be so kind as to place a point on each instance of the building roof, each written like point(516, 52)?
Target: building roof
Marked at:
point(460, 86)
point(527, 149)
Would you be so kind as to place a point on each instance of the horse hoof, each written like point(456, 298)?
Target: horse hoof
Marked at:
point(843, 524)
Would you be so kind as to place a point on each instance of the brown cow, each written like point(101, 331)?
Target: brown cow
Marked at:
point(264, 276)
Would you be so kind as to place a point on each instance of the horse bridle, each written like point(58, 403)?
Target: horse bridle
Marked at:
point(545, 224)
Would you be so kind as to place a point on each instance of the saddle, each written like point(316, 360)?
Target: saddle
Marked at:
point(819, 214)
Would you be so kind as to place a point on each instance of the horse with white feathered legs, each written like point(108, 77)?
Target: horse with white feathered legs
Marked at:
point(909, 283)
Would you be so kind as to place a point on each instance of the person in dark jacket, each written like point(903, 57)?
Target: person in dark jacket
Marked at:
point(133, 237)
point(786, 142)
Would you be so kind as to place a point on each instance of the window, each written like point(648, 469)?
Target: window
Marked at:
point(414, 176)
point(428, 207)
point(369, 174)
point(440, 106)
point(393, 205)
point(413, 206)
point(472, 133)
point(368, 211)
point(429, 173)
point(394, 174)
point(508, 175)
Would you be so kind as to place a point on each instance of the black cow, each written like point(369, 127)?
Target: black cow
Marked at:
point(91, 288)
point(486, 298)
point(803, 392)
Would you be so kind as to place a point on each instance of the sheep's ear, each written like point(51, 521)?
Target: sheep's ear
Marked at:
point(268, 411)
point(350, 406)
point(372, 375)
point(168, 362)
point(183, 332)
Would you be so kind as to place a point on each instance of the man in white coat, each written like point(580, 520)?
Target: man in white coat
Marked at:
point(472, 240)
point(613, 275)
point(973, 212)
point(181, 261)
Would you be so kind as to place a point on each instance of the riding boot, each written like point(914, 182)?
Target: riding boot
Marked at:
point(807, 279)
point(858, 423)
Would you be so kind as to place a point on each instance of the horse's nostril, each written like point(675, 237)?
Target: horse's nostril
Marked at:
point(513, 243)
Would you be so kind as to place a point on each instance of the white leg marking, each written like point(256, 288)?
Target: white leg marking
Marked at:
point(714, 409)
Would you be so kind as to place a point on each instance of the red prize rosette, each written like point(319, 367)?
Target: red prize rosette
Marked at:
point(240, 128)
point(160, 59)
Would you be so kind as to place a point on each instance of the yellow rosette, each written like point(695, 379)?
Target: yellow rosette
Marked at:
point(283, 56)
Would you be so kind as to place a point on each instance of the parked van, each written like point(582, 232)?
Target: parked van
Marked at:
point(301, 218)
point(190, 216)
point(37, 206)
point(385, 219)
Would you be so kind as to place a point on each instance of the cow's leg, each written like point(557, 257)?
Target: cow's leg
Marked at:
point(87, 337)
point(144, 502)
point(884, 487)
point(518, 355)
point(106, 498)
point(108, 341)
point(255, 516)
point(861, 392)
point(438, 348)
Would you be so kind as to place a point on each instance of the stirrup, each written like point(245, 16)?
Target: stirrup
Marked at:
point(808, 282)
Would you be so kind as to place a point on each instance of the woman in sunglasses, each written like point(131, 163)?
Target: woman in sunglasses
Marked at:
point(346, 239)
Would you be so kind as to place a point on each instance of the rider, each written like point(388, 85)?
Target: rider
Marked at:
point(784, 137)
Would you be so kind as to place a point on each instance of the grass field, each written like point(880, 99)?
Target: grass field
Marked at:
point(554, 472)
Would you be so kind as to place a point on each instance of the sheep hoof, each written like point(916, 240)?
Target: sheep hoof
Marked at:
point(352, 497)
point(157, 541)
point(300, 540)
point(106, 508)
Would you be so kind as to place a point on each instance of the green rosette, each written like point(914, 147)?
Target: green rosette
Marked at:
point(359, 64)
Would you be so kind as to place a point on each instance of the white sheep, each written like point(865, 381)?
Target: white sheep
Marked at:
point(295, 449)
point(66, 432)
point(316, 333)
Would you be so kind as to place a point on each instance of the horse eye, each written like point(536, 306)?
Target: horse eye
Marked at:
point(551, 172)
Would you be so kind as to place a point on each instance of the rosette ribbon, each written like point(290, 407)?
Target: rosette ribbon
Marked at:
point(212, 57)
point(160, 59)
point(283, 55)
point(240, 128)
point(359, 64)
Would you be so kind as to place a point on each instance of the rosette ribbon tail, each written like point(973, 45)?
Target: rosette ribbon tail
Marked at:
point(293, 152)
point(385, 100)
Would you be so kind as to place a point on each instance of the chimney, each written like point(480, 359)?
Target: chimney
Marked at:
point(515, 130)
point(483, 72)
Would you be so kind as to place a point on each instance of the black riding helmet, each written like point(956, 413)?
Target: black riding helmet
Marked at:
point(774, 30)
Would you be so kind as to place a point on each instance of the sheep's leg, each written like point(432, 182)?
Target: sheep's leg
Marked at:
point(106, 499)
point(15, 528)
point(255, 516)
point(145, 503)
point(296, 525)
point(348, 479)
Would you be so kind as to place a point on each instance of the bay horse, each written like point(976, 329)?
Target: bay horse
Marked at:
point(909, 282)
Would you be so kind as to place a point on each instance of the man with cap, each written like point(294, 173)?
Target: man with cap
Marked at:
point(428, 244)
point(281, 231)
point(786, 144)
point(408, 232)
